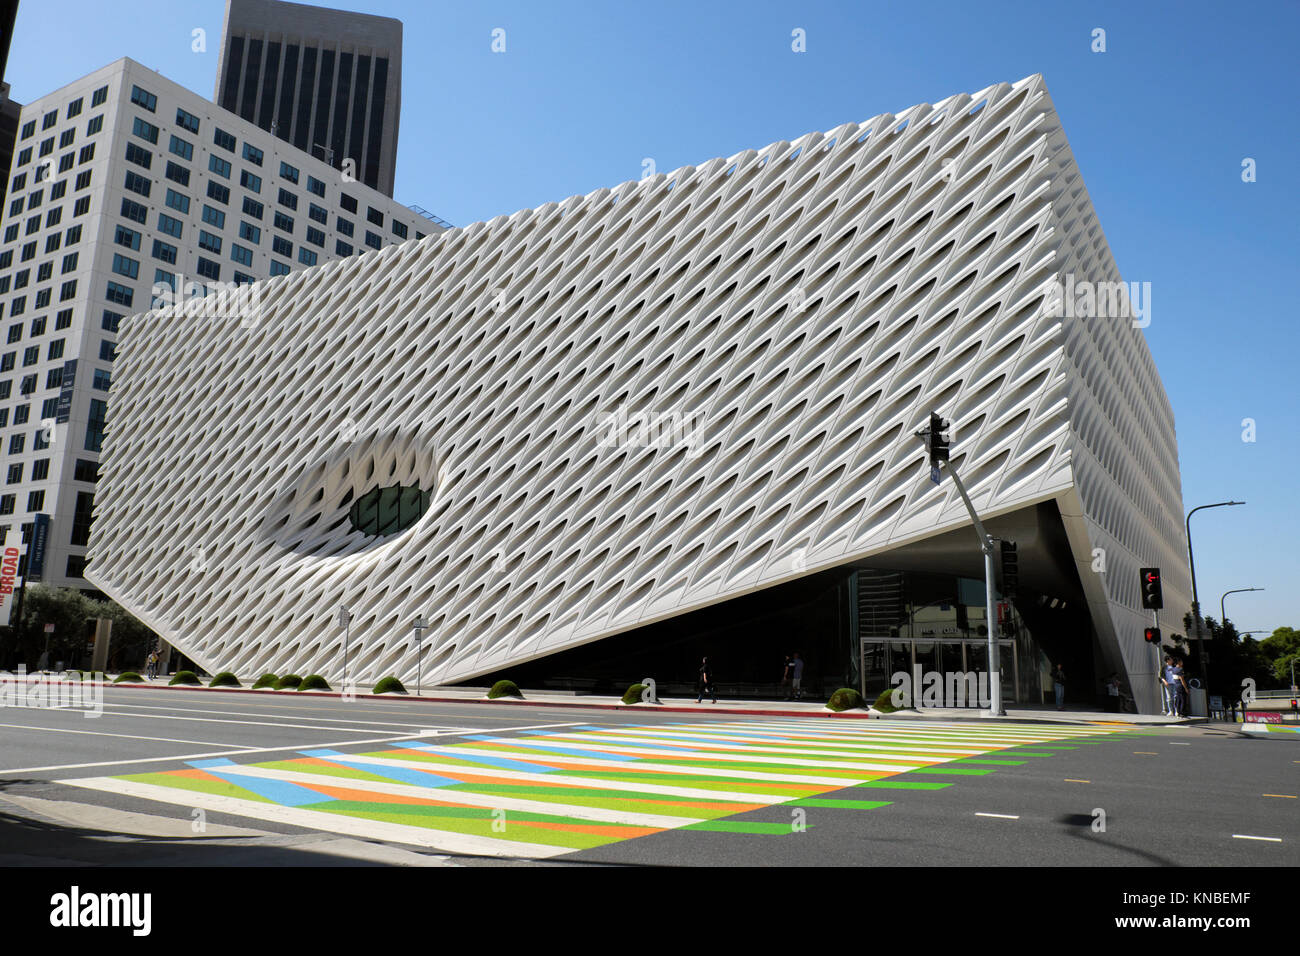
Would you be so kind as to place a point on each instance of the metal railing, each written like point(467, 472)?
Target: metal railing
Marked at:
point(431, 217)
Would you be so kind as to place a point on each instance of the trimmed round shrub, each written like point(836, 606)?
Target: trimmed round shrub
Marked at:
point(846, 698)
point(313, 682)
point(185, 677)
point(266, 680)
point(288, 681)
point(885, 702)
point(128, 677)
point(633, 695)
point(389, 685)
point(225, 679)
point(504, 688)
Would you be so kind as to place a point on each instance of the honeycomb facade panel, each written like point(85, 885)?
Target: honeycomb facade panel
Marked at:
point(639, 402)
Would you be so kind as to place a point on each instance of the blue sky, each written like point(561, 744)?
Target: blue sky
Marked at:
point(1159, 123)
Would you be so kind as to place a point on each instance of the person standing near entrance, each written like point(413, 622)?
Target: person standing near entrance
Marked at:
point(706, 683)
point(787, 674)
point(797, 668)
point(1058, 683)
point(1181, 691)
point(1167, 685)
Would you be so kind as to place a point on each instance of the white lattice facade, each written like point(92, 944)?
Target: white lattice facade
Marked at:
point(800, 309)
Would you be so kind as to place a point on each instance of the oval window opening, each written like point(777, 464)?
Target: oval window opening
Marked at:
point(388, 511)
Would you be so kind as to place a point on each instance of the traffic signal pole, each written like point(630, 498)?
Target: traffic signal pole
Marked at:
point(937, 446)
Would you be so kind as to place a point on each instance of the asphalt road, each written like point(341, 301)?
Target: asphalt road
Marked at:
point(1167, 797)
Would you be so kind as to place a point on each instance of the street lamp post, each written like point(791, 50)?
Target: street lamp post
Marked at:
point(418, 626)
point(1196, 603)
point(1223, 614)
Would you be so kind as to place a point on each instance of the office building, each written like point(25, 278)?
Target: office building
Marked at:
point(327, 81)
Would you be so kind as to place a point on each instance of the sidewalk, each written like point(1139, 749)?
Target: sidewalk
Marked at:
point(764, 708)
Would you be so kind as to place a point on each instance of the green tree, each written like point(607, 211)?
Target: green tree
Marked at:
point(73, 614)
point(1280, 650)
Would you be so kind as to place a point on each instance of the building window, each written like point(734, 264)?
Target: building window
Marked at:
point(177, 173)
point(7, 361)
point(306, 257)
point(143, 98)
point(83, 180)
point(127, 237)
point(182, 148)
point(81, 516)
point(18, 306)
point(53, 218)
point(344, 226)
point(223, 139)
point(283, 222)
point(164, 251)
point(187, 120)
point(219, 166)
point(63, 320)
point(42, 299)
point(252, 154)
point(68, 290)
point(120, 294)
point(399, 229)
point(49, 408)
point(341, 248)
point(209, 242)
point(169, 225)
point(95, 125)
point(99, 96)
point(249, 181)
point(209, 269)
point(79, 208)
point(315, 236)
point(107, 350)
point(146, 131)
point(49, 119)
point(317, 214)
point(84, 470)
point(66, 138)
point(289, 172)
point(76, 566)
point(240, 254)
point(102, 379)
point(287, 199)
point(110, 320)
point(38, 326)
point(137, 183)
point(281, 246)
point(53, 379)
point(218, 192)
point(31, 355)
point(21, 414)
point(6, 504)
point(36, 500)
point(314, 185)
point(15, 333)
point(373, 241)
point(24, 157)
point(253, 208)
point(15, 474)
point(373, 215)
point(126, 266)
point(17, 443)
point(178, 201)
point(214, 217)
point(29, 130)
point(40, 467)
point(55, 350)
point(250, 232)
point(243, 278)
point(34, 199)
point(136, 212)
point(161, 277)
point(277, 269)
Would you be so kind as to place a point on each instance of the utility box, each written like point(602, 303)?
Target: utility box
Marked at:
point(99, 658)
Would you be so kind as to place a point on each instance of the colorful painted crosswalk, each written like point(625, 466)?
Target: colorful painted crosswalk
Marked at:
point(543, 793)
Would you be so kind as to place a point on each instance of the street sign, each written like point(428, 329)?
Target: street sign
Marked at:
point(49, 628)
point(934, 473)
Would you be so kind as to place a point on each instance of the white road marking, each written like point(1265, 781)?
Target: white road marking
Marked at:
point(441, 732)
point(1000, 816)
point(245, 713)
point(318, 820)
point(103, 733)
point(1244, 836)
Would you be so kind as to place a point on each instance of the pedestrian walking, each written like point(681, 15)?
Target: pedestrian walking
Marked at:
point(706, 685)
point(787, 675)
point(797, 668)
point(151, 665)
point(1058, 684)
point(1166, 683)
point(1112, 693)
point(1181, 690)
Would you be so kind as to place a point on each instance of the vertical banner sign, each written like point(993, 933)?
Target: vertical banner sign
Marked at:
point(36, 551)
point(63, 410)
point(8, 575)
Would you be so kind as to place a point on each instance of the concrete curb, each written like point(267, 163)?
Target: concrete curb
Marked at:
point(748, 711)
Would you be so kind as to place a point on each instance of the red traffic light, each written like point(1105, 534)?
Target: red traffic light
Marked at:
point(1151, 635)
